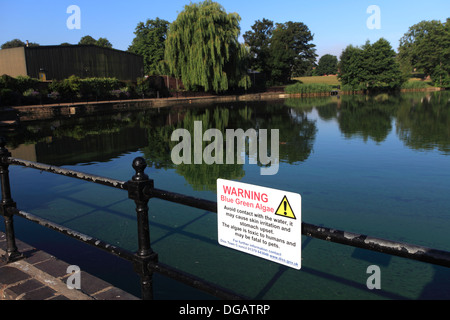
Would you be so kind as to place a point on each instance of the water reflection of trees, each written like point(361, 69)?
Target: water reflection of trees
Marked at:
point(93, 138)
point(297, 134)
point(422, 119)
point(423, 122)
point(367, 117)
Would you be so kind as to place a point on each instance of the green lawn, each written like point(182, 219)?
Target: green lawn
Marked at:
point(331, 80)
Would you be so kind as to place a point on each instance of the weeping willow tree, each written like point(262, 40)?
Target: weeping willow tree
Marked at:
point(202, 48)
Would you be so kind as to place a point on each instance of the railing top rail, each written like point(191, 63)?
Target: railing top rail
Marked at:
point(69, 173)
point(405, 250)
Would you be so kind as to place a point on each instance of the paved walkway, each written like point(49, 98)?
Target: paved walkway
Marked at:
point(41, 276)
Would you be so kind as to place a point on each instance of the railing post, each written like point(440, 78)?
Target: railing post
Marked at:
point(145, 254)
point(12, 253)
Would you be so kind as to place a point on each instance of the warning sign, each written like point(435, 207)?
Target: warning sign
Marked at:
point(285, 209)
point(260, 221)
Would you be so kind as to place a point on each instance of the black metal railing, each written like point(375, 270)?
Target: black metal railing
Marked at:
point(145, 261)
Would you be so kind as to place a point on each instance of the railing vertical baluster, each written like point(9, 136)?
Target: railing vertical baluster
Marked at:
point(145, 254)
point(12, 253)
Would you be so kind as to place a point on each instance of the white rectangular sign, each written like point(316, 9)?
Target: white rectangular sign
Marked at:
point(260, 221)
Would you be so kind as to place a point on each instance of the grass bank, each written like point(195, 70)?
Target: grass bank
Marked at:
point(329, 80)
point(323, 84)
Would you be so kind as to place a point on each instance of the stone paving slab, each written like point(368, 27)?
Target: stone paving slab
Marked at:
point(41, 276)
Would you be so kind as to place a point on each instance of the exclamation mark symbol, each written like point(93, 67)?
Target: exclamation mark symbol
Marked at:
point(285, 206)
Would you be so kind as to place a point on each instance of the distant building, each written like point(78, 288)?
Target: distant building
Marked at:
point(60, 62)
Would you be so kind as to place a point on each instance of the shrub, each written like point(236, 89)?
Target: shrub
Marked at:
point(54, 95)
point(68, 89)
point(31, 93)
point(26, 84)
point(7, 97)
point(7, 82)
point(13, 90)
point(415, 85)
point(122, 93)
point(95, 88)
point(144, 87)
point(98, 88)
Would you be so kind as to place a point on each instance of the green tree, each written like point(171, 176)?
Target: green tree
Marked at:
point(258, 41)
point(426, 47)
point(291, 51)
point(87, 40)
point(150, 42)
point(101, 42)
point(373, 66)
point(17, 43)
point(328, 64)
point(382, 70)
point(202, 48)
point(350, 66)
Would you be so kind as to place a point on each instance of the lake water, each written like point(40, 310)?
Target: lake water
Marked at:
point(372, 165)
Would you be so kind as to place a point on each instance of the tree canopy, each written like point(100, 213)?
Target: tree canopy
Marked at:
point(101, 42)
point(350, 66)
point(328, 64)
point(426, 47)
point(258, 41)
point(282, 51)
point(17, 43)
point(373, 66)
point(150, 42)
point(202, 48)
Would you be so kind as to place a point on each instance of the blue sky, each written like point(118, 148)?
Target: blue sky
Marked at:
point(335, 24)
